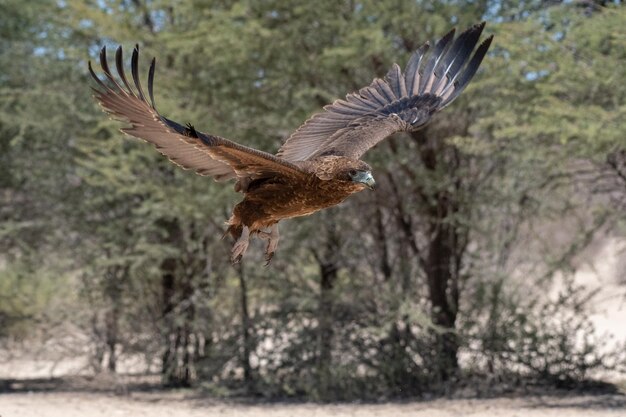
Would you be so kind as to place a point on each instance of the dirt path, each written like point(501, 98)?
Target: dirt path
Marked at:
point(72, 404)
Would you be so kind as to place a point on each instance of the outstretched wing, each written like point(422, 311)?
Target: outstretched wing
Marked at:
point(400, 102)
point(183, 145)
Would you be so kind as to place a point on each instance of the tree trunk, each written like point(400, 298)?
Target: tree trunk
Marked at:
point(111, 323)
point(170, 330)
point(443, 255)
point(441, 280)
point(179, 286)
point(113, 291)
point(188, 353)
point(245, 330)
point(168, 363)
point(100, 348)
point(328, 275)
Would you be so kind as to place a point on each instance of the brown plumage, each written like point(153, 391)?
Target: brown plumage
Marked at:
point(318, 166)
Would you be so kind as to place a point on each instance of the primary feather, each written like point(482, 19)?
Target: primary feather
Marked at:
point(400, 102)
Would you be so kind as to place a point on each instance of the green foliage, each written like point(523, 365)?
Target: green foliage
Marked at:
point(26, 296)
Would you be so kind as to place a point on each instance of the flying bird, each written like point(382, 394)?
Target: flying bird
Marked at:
point(319, 165)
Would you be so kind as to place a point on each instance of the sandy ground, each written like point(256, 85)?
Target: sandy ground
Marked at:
point(72, 404)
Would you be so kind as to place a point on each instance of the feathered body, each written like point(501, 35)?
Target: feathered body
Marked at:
point(319, 165)
point(269, 200)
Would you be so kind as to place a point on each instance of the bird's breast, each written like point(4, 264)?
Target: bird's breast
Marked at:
point(280, 201)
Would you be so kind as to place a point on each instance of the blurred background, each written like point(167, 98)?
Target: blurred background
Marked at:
point(492, 255)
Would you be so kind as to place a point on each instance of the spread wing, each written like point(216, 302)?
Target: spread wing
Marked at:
point(400, 102)
point(183, 145)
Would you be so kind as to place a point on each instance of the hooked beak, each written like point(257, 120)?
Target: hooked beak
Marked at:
point(367, 179)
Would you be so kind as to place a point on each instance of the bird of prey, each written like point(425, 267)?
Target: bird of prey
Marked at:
point(319, 165)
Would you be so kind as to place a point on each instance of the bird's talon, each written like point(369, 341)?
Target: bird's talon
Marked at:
point(240, 246)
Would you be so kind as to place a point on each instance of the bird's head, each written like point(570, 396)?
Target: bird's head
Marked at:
point(364, 177)
point(361, 173)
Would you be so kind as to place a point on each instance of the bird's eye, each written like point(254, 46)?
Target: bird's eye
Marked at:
point(352, 172)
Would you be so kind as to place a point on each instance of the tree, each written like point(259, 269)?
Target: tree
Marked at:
point(377, 297)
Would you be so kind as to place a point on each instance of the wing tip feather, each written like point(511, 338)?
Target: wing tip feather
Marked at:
point(430, 72)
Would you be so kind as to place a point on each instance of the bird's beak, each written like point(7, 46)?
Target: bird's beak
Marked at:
point(367, 179)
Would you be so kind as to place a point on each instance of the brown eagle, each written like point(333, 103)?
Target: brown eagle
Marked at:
point(318, 166)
